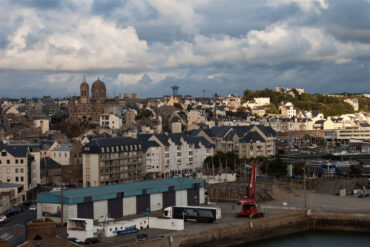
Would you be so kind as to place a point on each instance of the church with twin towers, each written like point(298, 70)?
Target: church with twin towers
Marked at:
point(86, 109)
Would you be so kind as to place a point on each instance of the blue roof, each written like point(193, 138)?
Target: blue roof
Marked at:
point(106, 192)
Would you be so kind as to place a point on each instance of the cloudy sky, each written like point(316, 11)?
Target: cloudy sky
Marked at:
point(223, 46)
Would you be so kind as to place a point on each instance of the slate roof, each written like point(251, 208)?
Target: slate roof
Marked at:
point(267, 130)
point(46, 145)
point(148, 144)
point(15, 150)
point(10, 185)
point(252, 136)
point(64, 147)
point(107, 192)
point(49, 163)
point(110, 145)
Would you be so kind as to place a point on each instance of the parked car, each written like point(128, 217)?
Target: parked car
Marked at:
point(3, 218)
point(92, 241)
point(75, 240)
point(27, 203)
point(13, 211)
point(33, 208)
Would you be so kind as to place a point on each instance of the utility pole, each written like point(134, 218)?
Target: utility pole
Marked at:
point(304, 185)
point(61, 204)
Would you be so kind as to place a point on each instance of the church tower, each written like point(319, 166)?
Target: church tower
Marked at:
point(84, 91)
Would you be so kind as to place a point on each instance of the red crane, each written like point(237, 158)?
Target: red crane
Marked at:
point(249, 205)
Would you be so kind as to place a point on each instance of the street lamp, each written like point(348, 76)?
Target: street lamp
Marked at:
point(37, 241)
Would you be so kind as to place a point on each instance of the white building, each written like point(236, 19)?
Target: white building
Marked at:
point(62, 154)
point(195, 116)
point(287, 109)
point(112, 117)
point(262, 101)
point(353, 103)
point(182, 153)
point(43, 124)
point(16, 164)
point(152, 159)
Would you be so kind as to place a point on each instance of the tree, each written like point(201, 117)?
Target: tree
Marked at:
point(354, 170)
point(274, 167)
point(144, 114)
point(227, 160)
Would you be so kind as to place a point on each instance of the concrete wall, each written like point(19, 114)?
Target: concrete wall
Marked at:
point(248, 231)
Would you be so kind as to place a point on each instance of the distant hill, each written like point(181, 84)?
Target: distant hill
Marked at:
point(328, 105)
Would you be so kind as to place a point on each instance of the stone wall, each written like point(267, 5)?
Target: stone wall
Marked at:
point(259, 229)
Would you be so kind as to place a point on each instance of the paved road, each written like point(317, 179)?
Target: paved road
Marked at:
point(14, 230)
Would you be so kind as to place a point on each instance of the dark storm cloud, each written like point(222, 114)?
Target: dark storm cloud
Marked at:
point(348, 20)
point(148, 46)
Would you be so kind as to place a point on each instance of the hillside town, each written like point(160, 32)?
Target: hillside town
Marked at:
point(55, 144)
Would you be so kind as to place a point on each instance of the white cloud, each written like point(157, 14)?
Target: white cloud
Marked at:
point(305, 5)
point(155, 77)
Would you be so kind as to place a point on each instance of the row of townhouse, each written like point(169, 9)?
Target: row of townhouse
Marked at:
point(179, 153)
point(123, 159)
point(316, 121)
point(246, 141)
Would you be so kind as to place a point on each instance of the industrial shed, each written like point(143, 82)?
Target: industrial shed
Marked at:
point(118, 200)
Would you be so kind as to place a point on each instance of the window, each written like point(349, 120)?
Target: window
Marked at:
point(8, 170)
point(65, 154)
point(8, 179)
point(22, 170)
point(21, 161)
point(21, 179)
point(178, 147)
point(16, 170)
point(16, 179)
point(54, 155)
point(8, 161)
point(190, 152)
point(179, 154)
point(16, 161)
point(3, 154)
point(0, 161)
point(0, 170)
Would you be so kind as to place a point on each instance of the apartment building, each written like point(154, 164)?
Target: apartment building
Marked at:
point(234, 139)
point(181, 153)
point(112, 161)
point(16, 164)
point(348, 134)
point(152, 159)
point(255, 144)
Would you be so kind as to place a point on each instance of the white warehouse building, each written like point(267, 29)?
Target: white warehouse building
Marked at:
point(118, 200)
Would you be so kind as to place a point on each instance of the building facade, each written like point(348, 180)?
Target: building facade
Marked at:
point(112, 161)
point(88, 109)
point(116, 201)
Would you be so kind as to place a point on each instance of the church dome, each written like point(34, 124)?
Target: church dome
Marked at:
point(98, 90)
